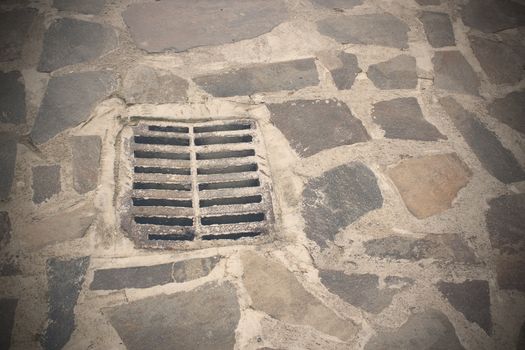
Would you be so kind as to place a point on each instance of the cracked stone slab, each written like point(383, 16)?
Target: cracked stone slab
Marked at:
point(438, 28)
point(65, 279)
point(14, 28)
point(46, 182)
point(402, 118)
point(472, 299)
point(396, 73)
point(374, 29)
point(204, 318)
point(337, 198)
point(338, 4)
point(71, 41)
point(12, 98)
point(510, 110)
point(5, 229)
point(90, 7)
point(495, 158)
point(201, 22)
point(491, 16)
point(8, 146)
point(428, 185)
point(276, 291)
point(343, 67)
point(68, 101)
point(7, 320)
point(453, 73)
point(505, 223)
point(277, 76)
point(86, 162)
point(428, 330)
point(312, 126)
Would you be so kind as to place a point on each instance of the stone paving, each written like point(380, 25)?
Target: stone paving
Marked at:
point(394, 134)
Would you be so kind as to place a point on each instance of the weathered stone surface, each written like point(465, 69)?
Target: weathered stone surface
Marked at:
point(499, 61)
point(289, 75)
point(338, 198)
point(65, 279)
point(12, 98)
point(373, 29)
point(5, 229)
point(46, 182)
point(9, 265)
point(495, 158)
point(201, 22)
point(402, 118)
point(191, 269)
point(338, 4)
point(429, 184)
point(7, 163)
point(204, 319)
point(429, 330)
point(360, 290)
point(505, 223)
point(428, 2)
point(143, 84)
point(452, 72)
point(510, 272)
point(7, 321)
point(86, 162)
point(69, 99)
point(92, 7)
point(510, 110)
point(71, 41)
point(438, 29)
point(396, 73)
point(344, 70)
point(276, 291)
point(472, 299)
point(315, 125)
point(492, 15)
point(14, 28)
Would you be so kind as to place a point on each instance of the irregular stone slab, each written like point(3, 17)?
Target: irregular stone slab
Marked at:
point(204, 318)
point(289, 75)
point(491, 16)
point(444, 247)
point(276, 291)
point(360, 290)
point(86, 162)
point(9, 266)
point(69, 99)
point(499, 61)
point(46, 182)
point(521, 338)
point(452, 72)
point(396, 73)
point(5, 229)
point(402, 118)
point(510, 110)
point(344, 69)
point(200, 23)
point(8, 147)
point(12, 98)
point(374, 29)
point(14, 28)
point(495, 158)
point(429, 184)
point(7, 321)
point(429, 330)
point(338, 198)
point(338, 4)
point(438, 29)
point(71, 41)
point(315, 125)
point(510, 272)
point(191, 269)
point(65, 279)
point(92, 7)
point(505, 223)
point(472, 299)
point(143, 84)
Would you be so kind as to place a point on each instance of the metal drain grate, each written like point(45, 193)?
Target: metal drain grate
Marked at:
point(197, 184)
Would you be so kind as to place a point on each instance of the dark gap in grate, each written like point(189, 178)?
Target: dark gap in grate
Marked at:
point(172, 237)
point(159, 140)
point(226, 154)
point(162, 155)
point(230, 236)
point(214, 140)
point(179, 129)
point(229, 184)
point(224, 127)
point(232, 219)
point(229, 201)
point(162, 170)
point(164, 221)
point(161, 186)
point(228, 170)
point(161, 202)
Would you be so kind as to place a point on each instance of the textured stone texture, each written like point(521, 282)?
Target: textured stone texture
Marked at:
point(191, 269)
point(402, 118)
point(9, 266)
point(396, 73)
point(289, 75)
point(46, 182)
point(8, 145)
point(315, 125)
point(429, 184)
point(510, 272)
point(14, 28)
point(438, 29)
point(510, 110)
point(452, 72)
point(374, 29)
point(344, 69)
point(339, 4)
point(204, 318)
point(86, 162)
point(521, 338)
point(505, 223)
point(338, 198)
point(5, 229)
point(492, 15)
point(92, 7)
point(12, 98)
point(495, 158)
point(7, 321)
point(68, 101)
point(71, 41)
point(65, 279)
point(276, 291)
point(200, 23)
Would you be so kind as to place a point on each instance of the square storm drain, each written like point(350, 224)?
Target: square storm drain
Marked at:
point(196, 184)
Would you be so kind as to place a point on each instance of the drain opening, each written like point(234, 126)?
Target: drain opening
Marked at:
point(157, 202)
point(172, 237)
point(164, 221)
point(161, 186)
point(162, 155)
point(230, 201)
point(229, 184)
point(232, 219)
point(224, 127)
point(233, 236)
point(179, 129)
point(216, 140)
point(227, 170)
point(226, 154)
point(159, 140)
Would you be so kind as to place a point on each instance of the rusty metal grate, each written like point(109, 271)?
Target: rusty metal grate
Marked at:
point(200, 184)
